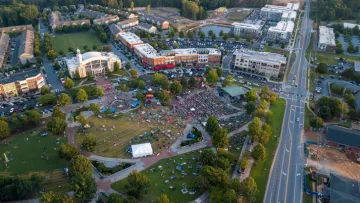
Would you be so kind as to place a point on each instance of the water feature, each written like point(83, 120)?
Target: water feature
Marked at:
point(215, 28)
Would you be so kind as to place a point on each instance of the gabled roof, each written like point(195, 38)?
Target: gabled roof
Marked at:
point(342, 190)
point(343, 136)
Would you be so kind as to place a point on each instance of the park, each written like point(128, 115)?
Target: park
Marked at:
point(62, 42)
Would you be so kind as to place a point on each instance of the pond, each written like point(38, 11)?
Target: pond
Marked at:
point(215, 28)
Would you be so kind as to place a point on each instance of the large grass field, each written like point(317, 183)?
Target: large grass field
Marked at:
point(260, 172)
point(158, 185)
point(24, 152)
point(113, 143)
point(238, 16)
point(61, 42)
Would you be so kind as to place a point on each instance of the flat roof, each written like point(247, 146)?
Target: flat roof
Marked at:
point(351, 25)
point(130, 37)
point(283, 26)
point(289, 14)
point(247, 25)
point(147, 50)
point(357, 66)
point(261, 56)
point(19, 76)
point(326, 36)
point(280, 9)
point(235, 91)
point(345, 136)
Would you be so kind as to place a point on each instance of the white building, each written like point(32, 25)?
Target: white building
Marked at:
point(147, 27)
point(351, 25)
point(96, 63)
point(247, 29)
point(275, 13)
point(141, 150)
point(281, 33)
point(271, 64)
point(326, 39)
point(289, 16)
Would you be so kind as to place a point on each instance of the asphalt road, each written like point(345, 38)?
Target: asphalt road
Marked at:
point(285, 179)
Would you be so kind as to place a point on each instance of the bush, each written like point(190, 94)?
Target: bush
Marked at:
point(197, 138)
point(106, 171)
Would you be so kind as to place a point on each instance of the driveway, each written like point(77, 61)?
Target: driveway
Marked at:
point(325, 91)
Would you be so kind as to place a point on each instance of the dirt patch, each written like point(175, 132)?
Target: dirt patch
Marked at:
point(238, 15)
point(314, 136)
point(334, 160)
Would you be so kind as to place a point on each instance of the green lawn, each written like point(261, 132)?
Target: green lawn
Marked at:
point(24, 152)
point(260, 172)
point(121, 72)
point(238, 16)
point(312, 82)
point(158, 183)
point(306, 197)
point(307, 117)
point(61, 42)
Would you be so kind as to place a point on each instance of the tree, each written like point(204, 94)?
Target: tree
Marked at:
point(212, 77)
point(219, 71)
point(350, 99)
point(220, 139)
point(67, 151)
point(34, 117)
point(265, 134)
point(53, 197)
point(57, 113)
point(141, 96)
point(245, 161)
point(259, 152)
point(181, 34)
point(95, 108)
point(83, 185)
point(100, 91)
point(30, 13)
point(212, 124)
point(64, 100)
point(215, 176)
point(250, 107)
point(192, 81)
point(57, 126)
point(163, 198)
point(190, 34)
point(210, 33)
point(132, 6)
point(208, 157)
point(128, 65)
point(80, 165)
point(47, 99)
point(133, 73)
point(249, 190)
point(115, 198)
point(116, 67)
point(137, 184)
point(254, 128)
point(221, 33)
point(44, 90)
point(82, 119)
point(213, 36)
point(68, 83)
point(4, 129)
point(51, 54)
point(316, 122)
point(237, 37)
point(184, 82)
point(322, 68)
point(164, 97)
point(89, 143)
point(81, 96)
point(225, 36)
point(228, 81)
point(273, 98)
point(251, 96)
point(176, 87)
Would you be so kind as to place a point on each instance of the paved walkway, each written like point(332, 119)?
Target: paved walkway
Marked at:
point(244, 127)
point(234, 114)
point(237, 167)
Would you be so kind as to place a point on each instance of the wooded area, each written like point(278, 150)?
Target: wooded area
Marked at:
point(330, 10)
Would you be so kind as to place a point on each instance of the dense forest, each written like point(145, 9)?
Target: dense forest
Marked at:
point(330, 10)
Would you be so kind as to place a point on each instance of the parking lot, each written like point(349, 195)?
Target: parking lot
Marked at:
point(20, 105)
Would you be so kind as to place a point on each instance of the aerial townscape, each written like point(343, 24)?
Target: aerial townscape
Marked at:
point(154, 101)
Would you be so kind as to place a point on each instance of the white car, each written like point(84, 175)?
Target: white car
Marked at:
point(297, 119)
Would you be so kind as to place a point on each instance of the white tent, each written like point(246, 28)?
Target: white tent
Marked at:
point(141, 150)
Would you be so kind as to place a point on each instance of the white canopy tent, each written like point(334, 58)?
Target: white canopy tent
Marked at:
point(141, 150)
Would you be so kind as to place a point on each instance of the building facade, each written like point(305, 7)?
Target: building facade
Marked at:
point(26, 50)
point(326, 39)
point(275, 13)
point(55, 20)
point(158, 22)
point(281, 33)
point(128, 23)
point(147, 27)
point(129, 40)
point(115, 30)
point(247, 29)
point(22, 83)
point(96, 63)
point(106, 19)
point(270, 64)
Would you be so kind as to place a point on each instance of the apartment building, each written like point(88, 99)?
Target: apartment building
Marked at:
point(55, 20)
point(271, 64)
point(129, 40)
point(18, 28)
point(26, 50)
point(247, 29)
point(281, 33)
point(289, 16)
point(4, 48)
point(22, 83)
point(275, 13)
point(128, 23)
point(147, 27)
point(115, 30)
point(158, 22)
point(326, 39)
point(106, 19)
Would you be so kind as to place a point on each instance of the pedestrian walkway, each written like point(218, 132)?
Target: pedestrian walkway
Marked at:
point(244, 127)
point(237, 167)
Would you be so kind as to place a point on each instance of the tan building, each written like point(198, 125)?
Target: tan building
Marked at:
point(56, 20)
point(22, 83)
point(148, 55)
point(158, 22)
point(129, 39)
point(128, 23)
point(96, 63)
point(147, 27)
point(106, 19)
point(26, 50)
point(4, 48)
point(18, 28)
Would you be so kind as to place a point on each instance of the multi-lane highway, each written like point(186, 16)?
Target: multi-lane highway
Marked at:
point(285, 179)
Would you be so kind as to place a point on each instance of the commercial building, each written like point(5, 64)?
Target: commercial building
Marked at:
point(270, 64)
point(115, 30)
point(247, 29)
point(341, 189)
point(4, 48)
point(106, 19)
point(128, 23)
point(147, 27)
point(345, 138)
point(26, 50)
point(96, 63)
point(55, 20)
point(351, 25)
point(326, 39)
point(281, 33)
point(18, 28)
point(148, 55)
point(158, 22)
point(129, 39)
point(22, 83)
point(275, 13)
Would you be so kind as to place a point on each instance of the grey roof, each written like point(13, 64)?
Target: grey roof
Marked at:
point(234, 91)
point(343, 136)
point(357, 66)
point(342, 190)
point(19, 77)
point(145, 25)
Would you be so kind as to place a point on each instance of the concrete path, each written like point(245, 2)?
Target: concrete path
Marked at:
point(237, 167)
point(244, 127)
point(108, 159)
point(231, 115)
point(82, 82)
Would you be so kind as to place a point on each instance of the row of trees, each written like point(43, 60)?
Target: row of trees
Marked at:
point(72, 28)
point(18, 188)
point(193, 10)
point(17, 13)
point(100, 33)
point(331, 10)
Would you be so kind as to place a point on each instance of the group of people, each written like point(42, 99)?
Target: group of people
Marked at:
point(234, 122)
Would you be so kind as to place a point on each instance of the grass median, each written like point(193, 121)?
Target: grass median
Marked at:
point(260, 172)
